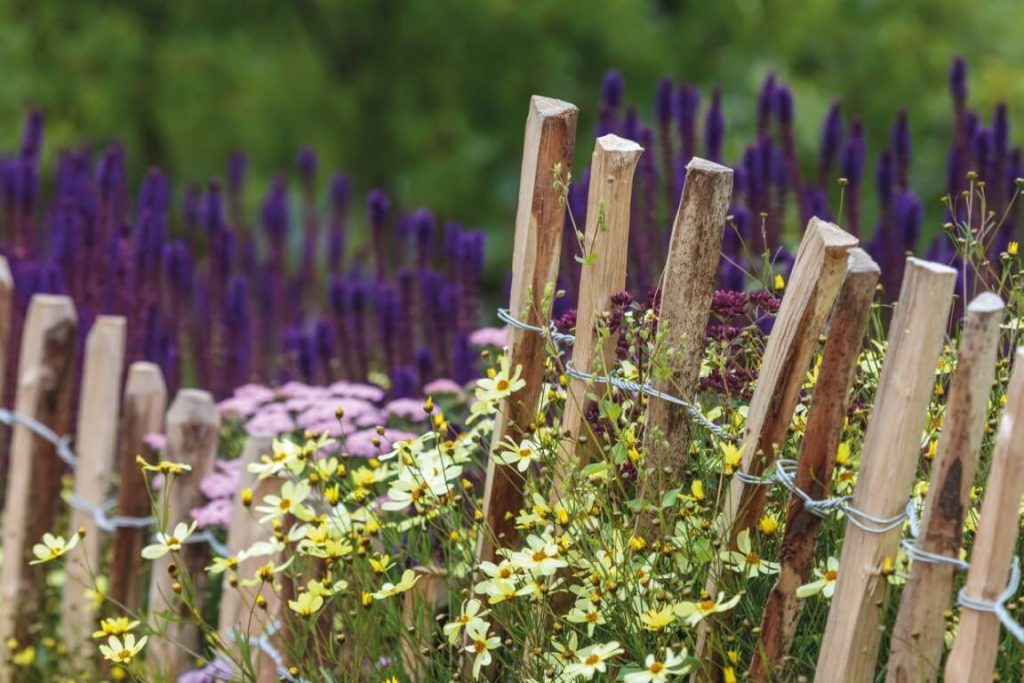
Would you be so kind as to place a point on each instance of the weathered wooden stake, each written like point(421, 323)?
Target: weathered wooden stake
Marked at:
point(818, 273)
point(45, 385)
point(242, 533)
point(144, 405)
point(95, 446)
point(889, 457)
point(420, 607)
point(686, 290)
point(917, 637)
point(605, 242)
point(193, 426)
point(549, 141)
point(977, 638)
point(824, 431)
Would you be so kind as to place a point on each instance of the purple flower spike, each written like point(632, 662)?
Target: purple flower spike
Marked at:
point(213, 210)
point(900, 140)
point(958, 83)
point(765, 104)
point(378, 206)
point(307, 165)
point(612, 88)
point(784, 105)
point(852, 164)
point(32, 136)
point(424, 227)
point(238, 164)
point(714, 127)
point(884, 179)
point(831, 140)
point(663, 100)
point(1001, 131)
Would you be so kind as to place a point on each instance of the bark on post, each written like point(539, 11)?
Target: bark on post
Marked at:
point(603, 275)
point(193, 426)
point(45, 384)
point(686, 290)
point(144, 405)
point(917, 637)
point(95, 446)
point(824, 431)
point(974, 651)
point(818, 273)
point(889, 457)
point(549, 141)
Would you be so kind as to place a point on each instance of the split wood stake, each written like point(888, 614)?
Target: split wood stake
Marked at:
point(824, 431)
point(243, 531)
point(45, 384)
point(917, 637)
point(420, 607)
point(95, 446)
point(193, 426)
point(686, 290)
point(549, 141)
point(818, 273)
point(6, 325)
point(144, 405)
point(603, 275)
point(977, 638)
point(889, 457)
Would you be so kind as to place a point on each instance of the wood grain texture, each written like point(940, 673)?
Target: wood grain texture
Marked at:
point(99, 410)
point(917, 637)
point(974, 651)
point(549, 141)
point(889, 457)
point(193, 431)
point(607, 238)
point(817, 275)
point(825, 420)
point(686, 288)
point(421, 605)
point(144, 405)
point(45, 384)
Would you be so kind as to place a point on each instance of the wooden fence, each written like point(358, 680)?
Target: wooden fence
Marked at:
point(831, 288)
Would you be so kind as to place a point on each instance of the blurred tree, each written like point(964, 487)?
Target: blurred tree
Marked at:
point(428, 97)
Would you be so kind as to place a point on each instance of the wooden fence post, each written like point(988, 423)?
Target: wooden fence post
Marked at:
point(45, 384)
point(818, 273)
point(917, 637)
point(603, 275)
point(686, 290)
point(420, 607)
point(145, 402)
point(889, 457)
point(6, 326)
point(824, 431)
point(193, 426)
point(974, 651)
point(95, 446)
point(243, 531)
point(549, 141)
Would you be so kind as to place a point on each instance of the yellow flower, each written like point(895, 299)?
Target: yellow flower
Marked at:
point(1011, 249)
point(657, 620)
point(407, 581)
point(122, 652)
point(165, 467)
point(768, 525)
point(826, 582)
point(779, 283)
point(480, 644)
point(166, 543)
point(307, 604)
point(26, 657)
point(694, 612)
point(52, 547)
point(697, 489)
point(731, 457)
point(114, 627)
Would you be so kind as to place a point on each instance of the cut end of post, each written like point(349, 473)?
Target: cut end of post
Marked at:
point(613, 143)
point(549, 107)
point(193, 405)
point(6, 279)
point(860, 261)
point(705, 166)
point(986, 302)
point(144, 377)
point(832, 236)
point(930, 266)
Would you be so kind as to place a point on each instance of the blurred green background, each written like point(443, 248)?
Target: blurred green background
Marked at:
point(427, 98)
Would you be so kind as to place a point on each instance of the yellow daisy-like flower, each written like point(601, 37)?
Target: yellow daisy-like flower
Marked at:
point(407, 581)
point(164, 467)
point(695, 612)
point(114, 627)
point(52, 547)
point(123, 651)
point(657, 620)
point(166, 543)
point(307, 604)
